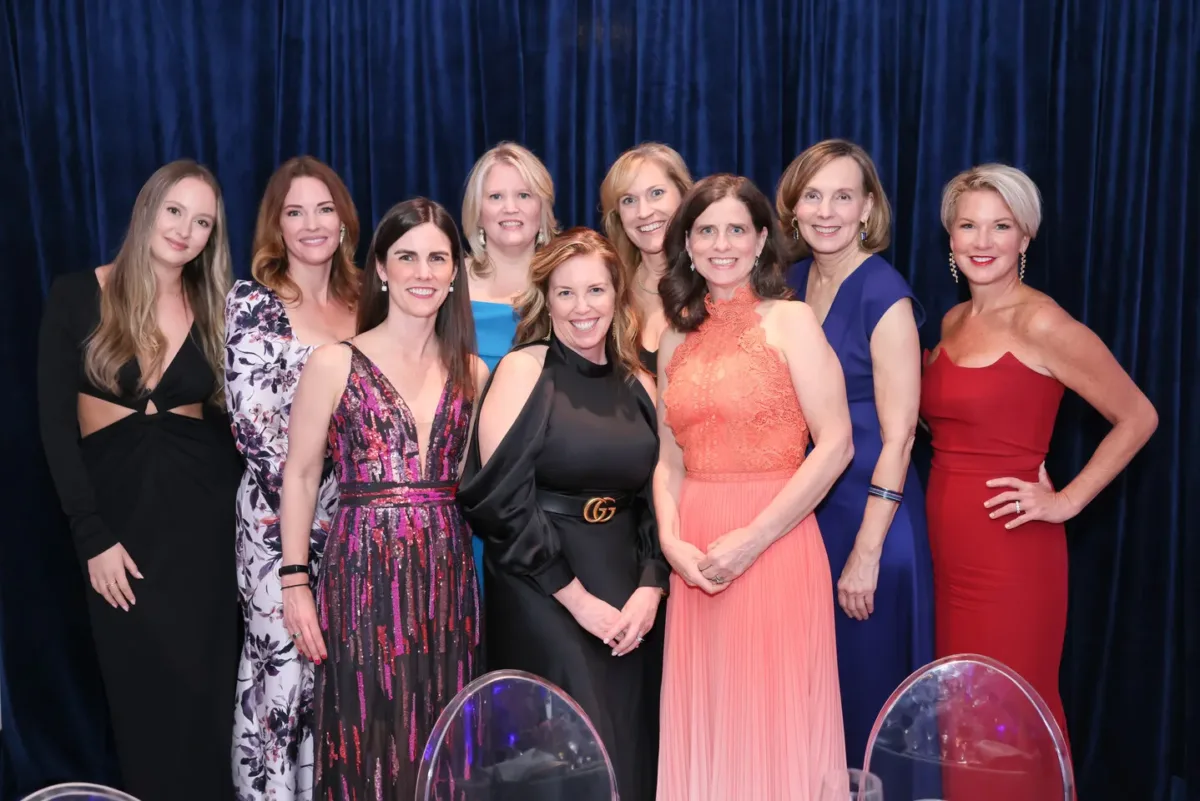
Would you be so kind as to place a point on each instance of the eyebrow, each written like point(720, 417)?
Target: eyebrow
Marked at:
point(410, 252)
point(184, 206)
point(964, 218)
point(301, 205)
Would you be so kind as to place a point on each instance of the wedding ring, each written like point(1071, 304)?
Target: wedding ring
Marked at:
point(639, 639)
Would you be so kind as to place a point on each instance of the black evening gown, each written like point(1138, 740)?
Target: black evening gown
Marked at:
point(162, 485)
point(586, 432)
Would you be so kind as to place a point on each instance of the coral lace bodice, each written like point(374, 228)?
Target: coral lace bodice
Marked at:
point(729, 400)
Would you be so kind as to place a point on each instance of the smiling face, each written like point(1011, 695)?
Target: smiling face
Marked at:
point(647, 205)
point(184, 223)
point(418, 271)
point(833, 208)
point(582, 299)
point(309, 222)
point(511, 212)
point(723, 244)
point(986, 242)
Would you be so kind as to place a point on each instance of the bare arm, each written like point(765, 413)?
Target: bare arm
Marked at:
point(322, 383)
point(668, 474)
point(1079, 359)
point(896, 369)
point(481, 377)
point(821, 389)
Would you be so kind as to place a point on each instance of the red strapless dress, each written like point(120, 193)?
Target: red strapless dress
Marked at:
point(997, 592)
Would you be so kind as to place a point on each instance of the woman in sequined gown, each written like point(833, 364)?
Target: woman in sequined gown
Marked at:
point(394, 628)
point(751, 704)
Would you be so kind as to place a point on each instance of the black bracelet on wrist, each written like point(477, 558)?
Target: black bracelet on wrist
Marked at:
point(294, 586)
point(291, 570)
point(886, 494)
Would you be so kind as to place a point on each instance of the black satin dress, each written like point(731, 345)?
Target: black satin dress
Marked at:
point(586, 432)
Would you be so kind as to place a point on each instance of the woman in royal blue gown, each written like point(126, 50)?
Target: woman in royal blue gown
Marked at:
point(873, 520)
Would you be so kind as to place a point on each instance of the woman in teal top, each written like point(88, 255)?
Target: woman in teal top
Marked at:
point(507, 214)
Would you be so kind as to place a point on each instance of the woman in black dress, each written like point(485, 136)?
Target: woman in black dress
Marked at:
point(558, 485)
point(141, 453)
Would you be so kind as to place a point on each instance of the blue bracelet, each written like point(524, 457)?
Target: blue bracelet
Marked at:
point(886, 494)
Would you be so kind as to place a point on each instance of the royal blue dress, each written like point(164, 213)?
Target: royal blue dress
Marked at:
point(877, 654)
point(495, 327)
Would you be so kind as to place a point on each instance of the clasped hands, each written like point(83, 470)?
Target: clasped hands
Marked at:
point(727, 557)
point(622, 629)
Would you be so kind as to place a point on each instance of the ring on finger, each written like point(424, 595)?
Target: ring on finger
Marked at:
point(1018, 505)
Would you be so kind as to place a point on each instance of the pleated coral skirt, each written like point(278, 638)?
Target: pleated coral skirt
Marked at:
point(751, 708)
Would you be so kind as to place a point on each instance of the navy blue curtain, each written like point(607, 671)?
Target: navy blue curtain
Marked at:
point(1096, 99)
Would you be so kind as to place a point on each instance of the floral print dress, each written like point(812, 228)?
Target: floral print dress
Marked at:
point(272, 734)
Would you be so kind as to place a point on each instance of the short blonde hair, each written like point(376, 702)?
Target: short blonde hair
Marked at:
point(533, 307)
point(1014, 187)
point(616, 183)
point(535, 174)
point(809, 163)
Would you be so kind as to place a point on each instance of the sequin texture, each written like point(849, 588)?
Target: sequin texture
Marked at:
point(397, 596)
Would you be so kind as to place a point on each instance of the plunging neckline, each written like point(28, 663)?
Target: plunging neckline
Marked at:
point(406, 413)
point(837, 293)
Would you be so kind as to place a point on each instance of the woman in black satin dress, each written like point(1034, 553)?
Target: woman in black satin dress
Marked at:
point(557, 483)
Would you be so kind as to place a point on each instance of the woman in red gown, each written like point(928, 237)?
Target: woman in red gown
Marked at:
point(989, 395)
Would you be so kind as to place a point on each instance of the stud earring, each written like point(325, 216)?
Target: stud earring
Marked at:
point(1021, 273)
point(953, 267)
point(482, 240)
point(342, 235)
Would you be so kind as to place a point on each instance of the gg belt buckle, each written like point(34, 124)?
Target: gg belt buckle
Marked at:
point(599, 510)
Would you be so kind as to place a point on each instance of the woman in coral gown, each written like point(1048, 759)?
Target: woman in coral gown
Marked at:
point(990, 394)
point(751, 707)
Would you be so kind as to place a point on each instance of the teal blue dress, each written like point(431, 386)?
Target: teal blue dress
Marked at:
point(495, 327)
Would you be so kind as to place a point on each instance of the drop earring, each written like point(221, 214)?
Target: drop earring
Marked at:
point(795, 229)
point(385, 286)
point(953, 267)
point(342, 235)
point(541, 239)
point(482, 240)
point(1021, 274)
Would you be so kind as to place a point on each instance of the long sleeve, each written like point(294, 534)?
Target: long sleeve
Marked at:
point(653, 568)
point(59, 354)
point(259, 384)
point(499, 500)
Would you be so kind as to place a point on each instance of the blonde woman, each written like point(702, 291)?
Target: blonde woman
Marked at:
point(129, 365)
point(304, 295)
point(557, 483)
point(507, 214)
point(640, 194)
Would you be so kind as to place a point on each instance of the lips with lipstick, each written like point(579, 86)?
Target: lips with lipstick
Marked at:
point(175, 244)
point(313, 241)
point(981, 261)
point(651, 227)
point(584, 326)
point(723, 263)
point(423, 292)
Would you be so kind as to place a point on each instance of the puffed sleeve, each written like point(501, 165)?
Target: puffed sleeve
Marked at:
point(653, 569)
point(884, 287)
point(499, 499)
point(59, 357)
point(258, 384)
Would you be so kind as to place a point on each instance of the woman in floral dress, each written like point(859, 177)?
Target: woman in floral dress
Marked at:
point(304, 295)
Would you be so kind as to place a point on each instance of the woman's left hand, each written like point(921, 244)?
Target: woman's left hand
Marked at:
point(1029, 501)
point(637, 618)
point(729, 556)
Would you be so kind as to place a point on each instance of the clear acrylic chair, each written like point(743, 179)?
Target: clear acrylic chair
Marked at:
point(79, 792)
point(512, 736)
point(968, 728)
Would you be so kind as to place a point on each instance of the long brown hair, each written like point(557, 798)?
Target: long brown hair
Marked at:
point(533, 307)
point(802, 169)
point(454, 325)
point(128, 327)
point(269, 265)
point(683, 289)
point(617, 181)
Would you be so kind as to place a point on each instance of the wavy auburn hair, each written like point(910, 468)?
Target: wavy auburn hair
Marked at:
point(684, 289)
point(454, 325)
point(128, 327)
point(533, 307)
point(269, 265)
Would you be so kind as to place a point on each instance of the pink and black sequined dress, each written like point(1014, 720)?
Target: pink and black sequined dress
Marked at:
point(397, 595)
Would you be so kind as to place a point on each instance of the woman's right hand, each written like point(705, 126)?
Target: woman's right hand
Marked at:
point(109, 573)
point(300, 620)
point(685, 559)
point(596, 616)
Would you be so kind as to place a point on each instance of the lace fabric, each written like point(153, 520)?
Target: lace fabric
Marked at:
point(730, 400)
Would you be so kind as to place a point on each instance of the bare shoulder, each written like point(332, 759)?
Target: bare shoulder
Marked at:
point(952, 319)
point(330, 359)
point(1040, 317)
point(517, 374)
point(786, 320)
point(102, 273)
point(479, 370)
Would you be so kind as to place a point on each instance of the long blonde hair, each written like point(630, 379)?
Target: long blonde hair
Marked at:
point(535, 174)
point(616, 183)
point(533, 307)
point(128, 327)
